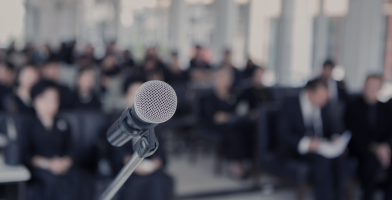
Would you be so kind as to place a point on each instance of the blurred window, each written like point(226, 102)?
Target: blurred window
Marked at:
point(11, 21)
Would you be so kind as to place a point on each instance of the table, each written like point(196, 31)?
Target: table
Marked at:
point(14, 174)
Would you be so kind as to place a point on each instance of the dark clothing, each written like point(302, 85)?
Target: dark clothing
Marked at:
point(369, 124)
point(291, 127)
point(4, 92)
point(177, 78)
point(39, 141)
point(327, 174)
point(49, 143)
point(342, 95)
point(111, 72)
point(92, 102)
point(155, 186)
point(256, 97)
point(193, 64)
point(235, 136)
point(248, 71)
point(14, 104)
point(236, 77)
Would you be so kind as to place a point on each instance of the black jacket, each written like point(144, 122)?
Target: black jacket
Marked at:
point(357, 121)
point(291, 126)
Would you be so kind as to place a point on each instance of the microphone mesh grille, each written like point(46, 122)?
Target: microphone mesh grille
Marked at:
point(155, 102)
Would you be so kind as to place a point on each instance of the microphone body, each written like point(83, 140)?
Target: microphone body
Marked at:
point(155, 102)
point(129, 125)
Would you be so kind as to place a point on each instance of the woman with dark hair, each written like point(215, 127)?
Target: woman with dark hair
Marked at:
point(20, 100)
point(84, 96)
point(47, 146)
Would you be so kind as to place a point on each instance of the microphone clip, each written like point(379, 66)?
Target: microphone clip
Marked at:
point(147, 144)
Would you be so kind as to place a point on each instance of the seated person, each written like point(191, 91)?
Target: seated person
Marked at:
point(219, 117)
point(257, 94)
point(370, 123)
point(228, 65)
point(20, 100)
point(84, 96)
point(302, 126)
point(47, 146)
point(149, 181)
point(51, 71)
point(175, 74)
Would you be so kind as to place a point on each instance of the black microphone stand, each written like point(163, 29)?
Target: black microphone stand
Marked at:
point(145, 146)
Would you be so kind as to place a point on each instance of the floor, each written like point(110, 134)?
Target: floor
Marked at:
point(196, 180)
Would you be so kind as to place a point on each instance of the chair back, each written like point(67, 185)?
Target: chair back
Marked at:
point(267, 125)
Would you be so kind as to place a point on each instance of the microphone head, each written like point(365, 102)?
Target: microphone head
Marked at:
point(155, 102)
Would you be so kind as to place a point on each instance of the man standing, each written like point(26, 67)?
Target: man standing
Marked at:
point(337, 89)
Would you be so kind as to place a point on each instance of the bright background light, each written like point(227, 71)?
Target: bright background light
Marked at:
point(11, 21)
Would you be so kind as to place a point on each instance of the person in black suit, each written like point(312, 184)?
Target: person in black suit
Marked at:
point(84, 97)
point(302, 124)
point(370, 123)
point(337, 89)
point(47, 147)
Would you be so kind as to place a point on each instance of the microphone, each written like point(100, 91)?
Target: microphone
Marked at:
point(155, 103)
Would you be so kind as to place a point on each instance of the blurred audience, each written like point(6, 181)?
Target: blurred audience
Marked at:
point(369, 120)
point(305, 120)
point(303, 124)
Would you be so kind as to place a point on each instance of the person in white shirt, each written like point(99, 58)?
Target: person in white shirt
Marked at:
point(305, 130)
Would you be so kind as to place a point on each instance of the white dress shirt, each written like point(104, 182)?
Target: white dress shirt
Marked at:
point(312, 118)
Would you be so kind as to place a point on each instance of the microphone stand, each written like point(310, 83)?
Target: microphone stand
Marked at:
point(145, 146)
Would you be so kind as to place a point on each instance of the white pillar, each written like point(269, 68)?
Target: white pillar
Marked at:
point(363, 41)
point(225, 27)
point(320, 39)
point(294, 42)
point(178, 31)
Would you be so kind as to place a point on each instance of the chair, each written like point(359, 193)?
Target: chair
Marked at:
point(206, 136)
point(292, 171)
